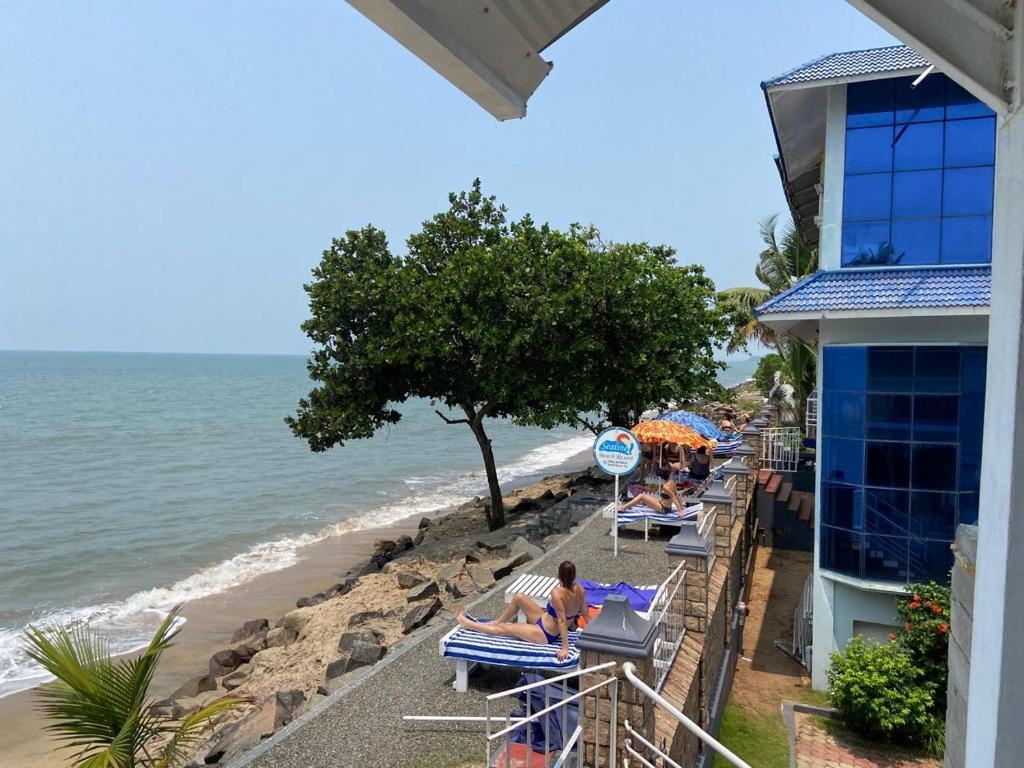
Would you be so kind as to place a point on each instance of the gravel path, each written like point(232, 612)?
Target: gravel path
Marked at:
point(362, 726)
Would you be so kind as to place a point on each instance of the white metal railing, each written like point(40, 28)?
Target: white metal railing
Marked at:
point(502, 736)
point(706, 530)
point(780, 448)
point(667, 611)
point(666, 706)
point(811, 421)
point(803, 616)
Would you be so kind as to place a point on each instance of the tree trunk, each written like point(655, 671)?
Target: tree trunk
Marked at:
point(496, 512)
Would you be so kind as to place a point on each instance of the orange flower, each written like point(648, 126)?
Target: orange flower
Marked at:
point(917, 598)
point(943, 629)
point(936, 608)
point(927, 603)
point(914, 606)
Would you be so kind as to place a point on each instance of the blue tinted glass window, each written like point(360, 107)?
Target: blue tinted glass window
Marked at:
point(843, 461)
point(970, 142)
point(967, 191)
point(841, 550)
point(869, 103)
point(936, 418)
point(844, 413)
point(845, 368)
point(867, 197)
point(892, 494)
point(967, 240)
point(889, 417)
point(917, 146)
point(869, 150)
point(887, 511)
point(843, 503)
point(937, 369)
point(887, 464)
point(915, 241)
point(917, 194)
point(885, 557)
point(923, 154)
point(890, 369)
point(922, 103)
point(968, 511)
point(866, 243)
point(934, 467)
point(959, 103)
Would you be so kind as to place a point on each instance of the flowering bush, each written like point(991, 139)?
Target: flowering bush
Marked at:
point(898, 690)
point(925, 635)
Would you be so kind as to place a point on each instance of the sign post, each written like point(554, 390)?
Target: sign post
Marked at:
point(617, 453)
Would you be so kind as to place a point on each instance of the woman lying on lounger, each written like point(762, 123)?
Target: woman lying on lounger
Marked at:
point(543, 625)
point(663, 502)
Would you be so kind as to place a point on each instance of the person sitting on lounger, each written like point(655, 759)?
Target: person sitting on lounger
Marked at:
point(700, 467)
point(543, 625)
point(666, 498)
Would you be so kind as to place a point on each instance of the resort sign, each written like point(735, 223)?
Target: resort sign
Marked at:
point(617, 451)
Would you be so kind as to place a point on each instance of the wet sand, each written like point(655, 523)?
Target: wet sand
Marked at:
point(212, 620)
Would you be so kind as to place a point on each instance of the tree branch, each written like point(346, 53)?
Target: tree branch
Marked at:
point(451, 421)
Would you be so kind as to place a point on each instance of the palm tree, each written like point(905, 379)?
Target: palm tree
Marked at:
point(99, 705)
point(783, 262)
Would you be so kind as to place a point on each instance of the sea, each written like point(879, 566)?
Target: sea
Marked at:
point(131, 483)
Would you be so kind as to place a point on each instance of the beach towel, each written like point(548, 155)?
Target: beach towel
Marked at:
point(507, 651)
point(639, 598)
point(551, 723)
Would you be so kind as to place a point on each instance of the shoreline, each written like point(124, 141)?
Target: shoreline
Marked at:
point(211, 620)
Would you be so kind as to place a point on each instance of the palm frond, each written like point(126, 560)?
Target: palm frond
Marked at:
point(185, 736)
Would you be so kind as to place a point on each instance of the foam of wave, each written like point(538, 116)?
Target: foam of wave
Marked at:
point(130, 624)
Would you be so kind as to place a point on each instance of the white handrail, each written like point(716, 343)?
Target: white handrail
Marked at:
point(631, 733)
point(553, 707)
point(630, 670)
point(567, 747)
point(549, 680)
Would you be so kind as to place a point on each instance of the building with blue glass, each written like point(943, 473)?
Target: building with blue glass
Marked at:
point(888, 168)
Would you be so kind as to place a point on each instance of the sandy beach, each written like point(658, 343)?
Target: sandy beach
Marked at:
point(212, 620)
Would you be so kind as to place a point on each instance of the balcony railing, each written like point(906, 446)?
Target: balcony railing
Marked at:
point(780, 448)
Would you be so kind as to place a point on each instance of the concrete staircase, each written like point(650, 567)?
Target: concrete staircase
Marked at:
point(786, 514)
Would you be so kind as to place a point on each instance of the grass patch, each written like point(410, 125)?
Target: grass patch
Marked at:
point(761, 740)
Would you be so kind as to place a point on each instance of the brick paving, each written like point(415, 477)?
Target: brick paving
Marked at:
point(817, 747)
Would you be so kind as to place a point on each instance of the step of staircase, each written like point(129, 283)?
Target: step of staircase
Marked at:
point(773, 484)
point(763, 475)
point(785, 492)
point(806, 509)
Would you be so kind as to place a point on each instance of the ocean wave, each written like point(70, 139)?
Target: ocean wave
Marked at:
point(129, 624)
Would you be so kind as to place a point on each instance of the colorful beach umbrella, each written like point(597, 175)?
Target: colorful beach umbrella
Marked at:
point(699, 424)
point(660, 431)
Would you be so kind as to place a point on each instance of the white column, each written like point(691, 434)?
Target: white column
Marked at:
point(995, 736)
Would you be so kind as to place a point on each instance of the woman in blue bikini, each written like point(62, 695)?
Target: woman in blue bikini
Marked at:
point(544, 626)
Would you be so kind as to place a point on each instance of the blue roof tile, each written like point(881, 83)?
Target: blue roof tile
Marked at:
point(851, 64)
point(869, 289)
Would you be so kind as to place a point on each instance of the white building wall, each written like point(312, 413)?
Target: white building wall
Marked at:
point(830, 243)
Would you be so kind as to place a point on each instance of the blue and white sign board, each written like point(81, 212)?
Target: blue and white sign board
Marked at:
point(617, 453)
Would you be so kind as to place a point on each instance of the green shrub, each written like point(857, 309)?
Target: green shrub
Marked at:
point(881, 693)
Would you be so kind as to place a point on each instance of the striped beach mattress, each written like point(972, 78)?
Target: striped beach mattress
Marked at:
point(727, 447)
point(467, 645)
point(641, 512)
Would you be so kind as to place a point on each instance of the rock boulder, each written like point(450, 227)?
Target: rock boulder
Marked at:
point(420, 614)
point(409, 579)
point(250, 629)
point(223, 662)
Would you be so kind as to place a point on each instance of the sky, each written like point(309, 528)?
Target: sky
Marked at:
point(172, 171)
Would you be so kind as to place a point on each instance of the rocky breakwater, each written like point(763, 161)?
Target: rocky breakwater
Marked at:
point(280, 669)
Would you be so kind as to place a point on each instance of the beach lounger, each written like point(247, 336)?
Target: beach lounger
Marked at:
point(727, 447)
point(470, 648)
point(646, 515)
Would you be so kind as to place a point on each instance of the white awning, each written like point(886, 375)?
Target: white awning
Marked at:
point(488, 49)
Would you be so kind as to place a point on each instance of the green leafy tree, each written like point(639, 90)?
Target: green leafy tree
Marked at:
point(654, 325)
point(494, 318)
point(100, 706)
point(783, 262)
point(925, 635)
point(482, 315)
